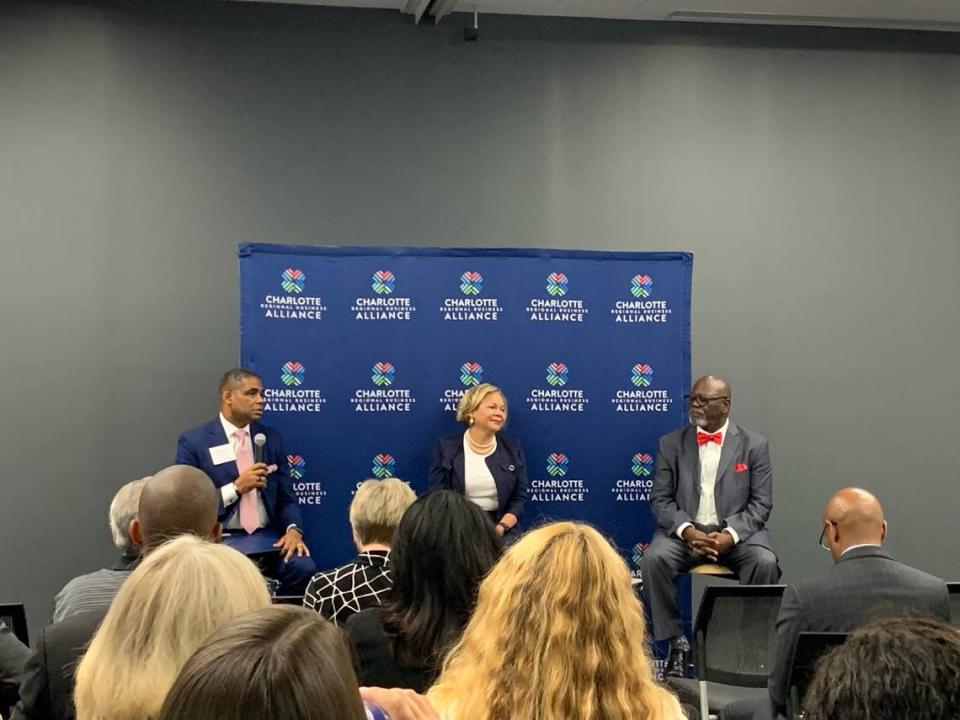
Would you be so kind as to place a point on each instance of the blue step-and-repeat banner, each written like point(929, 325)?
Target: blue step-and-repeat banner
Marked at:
point(364, 353)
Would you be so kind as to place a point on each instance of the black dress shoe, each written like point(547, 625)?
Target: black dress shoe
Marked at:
point(678, 660)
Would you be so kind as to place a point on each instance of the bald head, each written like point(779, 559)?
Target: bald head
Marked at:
point(853, 516)
point(178, 500)
point(709, 403)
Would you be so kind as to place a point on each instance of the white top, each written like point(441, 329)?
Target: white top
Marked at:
point(228, 492)
point(479, 485)
point(709, 464)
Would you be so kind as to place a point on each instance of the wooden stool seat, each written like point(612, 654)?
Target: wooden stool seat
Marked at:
point(711, 568)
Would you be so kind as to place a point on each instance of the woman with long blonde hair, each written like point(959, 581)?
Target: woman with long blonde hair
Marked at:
point(557, 634)
point(180, 594)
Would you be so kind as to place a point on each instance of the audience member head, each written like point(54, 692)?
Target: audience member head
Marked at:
point(890, 670)
point(241, 396)
point(276, 663)
point(557, 634)
point(376, 509)
point(852, 517)
point(472, 399)
point(123, 510)
point(179, 594)
point(709, 403)
point(178, 500)
point(443, 547)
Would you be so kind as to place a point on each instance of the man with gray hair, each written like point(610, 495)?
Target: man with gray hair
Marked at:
point(364, 582)
point(97, 589)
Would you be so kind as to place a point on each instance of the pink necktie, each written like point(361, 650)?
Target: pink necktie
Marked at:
point(249, 512)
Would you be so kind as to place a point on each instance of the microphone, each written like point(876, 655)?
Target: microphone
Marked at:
point(259, 440)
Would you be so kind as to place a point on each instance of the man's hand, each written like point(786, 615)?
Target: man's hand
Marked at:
point(252, 478)
point(723, 541)
point(700, 543)
point(400, 704)
point(290, 543)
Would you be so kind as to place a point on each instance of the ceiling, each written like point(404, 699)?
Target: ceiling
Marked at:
point(943, 15)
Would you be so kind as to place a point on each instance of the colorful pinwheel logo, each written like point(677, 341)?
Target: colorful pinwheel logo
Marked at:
point(557, 284)
point(383, 466)
point(383, 282)
point(557, 374)
point(642, 464)
point(637, 554)
point(641, 286)
point(383, 374)
point(557, 464)
point(297, 466)
point(292, 373)
point(293, 280)
point(471, 374)
point(641, 375)
point(471, 283)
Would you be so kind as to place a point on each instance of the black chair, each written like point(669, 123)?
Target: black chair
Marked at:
point(733, 644)
point(954, 589)
point(14, 617)
point(287, 600)
point(810, 646)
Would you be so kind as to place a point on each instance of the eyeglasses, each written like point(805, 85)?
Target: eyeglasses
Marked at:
point(703, 399)
point(823, 534)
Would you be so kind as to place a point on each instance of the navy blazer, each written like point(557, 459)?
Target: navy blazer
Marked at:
point(506, 464)
point(743, 492)
point(193, 448)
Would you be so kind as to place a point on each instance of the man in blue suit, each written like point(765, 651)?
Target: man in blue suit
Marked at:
point(711, 497)
point(258, 507)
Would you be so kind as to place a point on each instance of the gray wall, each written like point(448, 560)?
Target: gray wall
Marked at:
point(814, 175)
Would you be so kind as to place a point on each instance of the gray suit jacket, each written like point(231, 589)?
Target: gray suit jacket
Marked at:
point(744, 489)
point(864, 584)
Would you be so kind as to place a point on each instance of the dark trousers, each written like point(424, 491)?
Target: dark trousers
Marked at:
point(293, 575)
point(668, 557)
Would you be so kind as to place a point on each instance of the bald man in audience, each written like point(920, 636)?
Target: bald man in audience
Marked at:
point(176, 501)
point(864, 584)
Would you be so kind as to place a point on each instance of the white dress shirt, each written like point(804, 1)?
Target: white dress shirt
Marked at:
point(709, 464)
point(229, 491)
point(478, 484)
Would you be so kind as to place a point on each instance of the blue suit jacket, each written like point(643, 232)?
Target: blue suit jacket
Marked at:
point(744, 488)
point(193, 448)
point(506, 464)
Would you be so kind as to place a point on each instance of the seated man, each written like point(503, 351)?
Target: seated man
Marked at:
point(712, 495)
point(96, 589)
point(890, 670)
point(375, 512)
point(258, 507)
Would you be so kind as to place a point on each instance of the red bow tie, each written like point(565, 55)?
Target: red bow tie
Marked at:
point(704, 438)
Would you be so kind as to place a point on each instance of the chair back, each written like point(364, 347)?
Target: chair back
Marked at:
point(14, 617)
point(734, 633)
point(287, 600)
point(810, 646)
point(954, 589)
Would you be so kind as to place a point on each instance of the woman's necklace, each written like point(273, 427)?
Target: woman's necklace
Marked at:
point(478, 448)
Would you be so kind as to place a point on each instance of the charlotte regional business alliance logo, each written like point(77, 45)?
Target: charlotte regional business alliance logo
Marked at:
point(471, 374)
point(384, 466)
point(642, 308)
point(382, 397)
point(308, 493)
point(383, 304)
point(557, 397)
point(636, 488)
point(294, 395)
point(636, 560)
point(556, 307)
point(555, 486)
point(645, 398)
point(294, 305)
point(469, 306)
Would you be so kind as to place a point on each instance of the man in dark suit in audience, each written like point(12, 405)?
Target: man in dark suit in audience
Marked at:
point(258, 507)
point(864, 584)
point(175, 501)
point(711, 497)
point(13, 654)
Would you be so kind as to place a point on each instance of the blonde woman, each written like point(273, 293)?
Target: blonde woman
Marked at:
point(180, 593)
point(557, 634)
point(483, 464)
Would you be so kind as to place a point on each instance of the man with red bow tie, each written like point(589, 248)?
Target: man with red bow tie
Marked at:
point(711, 497)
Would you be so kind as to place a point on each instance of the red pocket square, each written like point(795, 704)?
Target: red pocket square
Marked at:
point(741, 467)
